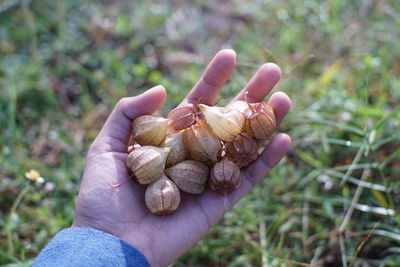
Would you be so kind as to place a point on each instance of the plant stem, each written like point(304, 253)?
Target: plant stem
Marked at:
point(30, 21)
point(263, 244)
point(14, 207)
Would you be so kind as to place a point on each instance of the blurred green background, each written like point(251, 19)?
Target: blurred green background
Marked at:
point(333, 201)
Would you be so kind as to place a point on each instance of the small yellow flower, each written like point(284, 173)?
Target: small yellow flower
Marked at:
point(34, 175)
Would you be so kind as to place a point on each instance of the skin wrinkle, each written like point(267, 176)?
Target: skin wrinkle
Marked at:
point(108, 144)
point(123, 120)
point(90, 218)
point(251, 172)
point(103, 156)
point(125, 103)
point(249, 180)
point(206, 88)
point(235, 196)
point(210, 83)
point(205, 214)
point(150, 244)
point(119, 155)
point(118, 138)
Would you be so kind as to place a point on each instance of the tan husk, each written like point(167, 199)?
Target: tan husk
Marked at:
point(243, 160)
point(147, 163)
point(202, 144)
point(162, 197)
point(242, 150)
point(226, 123)
point(149, 130)
point(190, 176)
point(238, 105)
point(242, 144)
point(260, 120)
point(182, 117)
point(225, 177)
point(178, 151)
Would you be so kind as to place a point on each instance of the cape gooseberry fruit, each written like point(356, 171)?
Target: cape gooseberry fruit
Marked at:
point(162, 197)
point(225, 177)
point(149, 130)
point(147, 163)
point(190, 176)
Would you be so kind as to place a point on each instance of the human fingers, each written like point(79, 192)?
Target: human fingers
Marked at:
point(261, 84)
point(281, 104)
point(253, 173)
point(115, 134)
point(215, 76)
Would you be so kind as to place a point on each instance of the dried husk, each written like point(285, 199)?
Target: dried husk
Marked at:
point(190, 176)
point(225, 177)
point(147, 163)
point(238, 105)
point(150, 130)
point(178, 151)
point(260, 120)
point(226, 123)
point(162, 197)
point(242, 150)
point(242, 144)
point(243, 160)
point(201, 143)
point(182, 116)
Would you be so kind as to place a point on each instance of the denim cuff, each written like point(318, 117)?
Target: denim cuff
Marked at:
point(88, 247)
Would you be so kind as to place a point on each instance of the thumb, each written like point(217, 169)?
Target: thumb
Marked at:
point(115, 134)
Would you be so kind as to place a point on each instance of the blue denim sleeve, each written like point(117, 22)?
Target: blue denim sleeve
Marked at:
point(88, 247)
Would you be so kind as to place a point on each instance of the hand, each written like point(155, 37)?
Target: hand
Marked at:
point(122, 212)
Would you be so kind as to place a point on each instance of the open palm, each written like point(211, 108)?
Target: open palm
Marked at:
point(122, 212)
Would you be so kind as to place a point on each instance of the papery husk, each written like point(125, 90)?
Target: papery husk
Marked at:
point(226, 123)
point(238, 105)
point(242, 144)
point(150, 130)
point(202, 144)
point(190, 176)
point(182, 117)
point(178, 151)
point(147, 163)
point(242, 150)
point(162, 197)
point(260, 120)
point(243, 160)
point(225, 177)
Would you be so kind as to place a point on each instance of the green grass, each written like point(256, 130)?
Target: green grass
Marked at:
point(64, 64)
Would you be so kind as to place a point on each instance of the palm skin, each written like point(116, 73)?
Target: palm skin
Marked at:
point(122, 212)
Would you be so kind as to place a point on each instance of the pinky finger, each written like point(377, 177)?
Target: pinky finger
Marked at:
point(271, 155)
point(281, 104)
